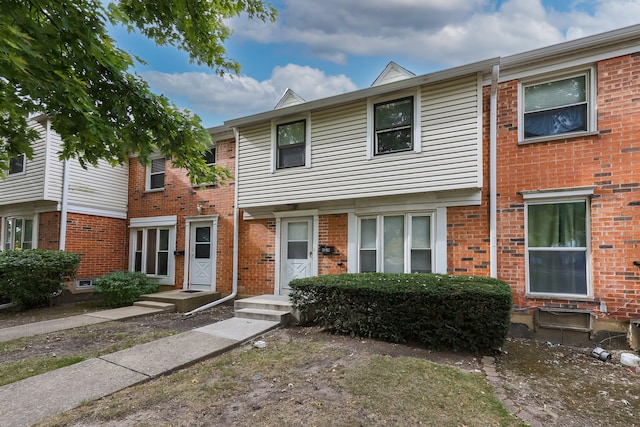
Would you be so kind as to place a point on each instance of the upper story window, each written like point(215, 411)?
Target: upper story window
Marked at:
point(210, 156)
point(291, 144)
point(17, 164)
point(155, 174)
point(393, 126)
point(557, 107)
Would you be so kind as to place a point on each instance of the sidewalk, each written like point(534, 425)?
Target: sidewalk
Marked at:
point(26, 402)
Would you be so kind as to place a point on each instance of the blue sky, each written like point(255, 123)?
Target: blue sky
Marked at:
point(328, 47)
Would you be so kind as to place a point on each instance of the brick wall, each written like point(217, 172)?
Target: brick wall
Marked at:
point(333, 231)
point(181, 199)
point(49, 230)
point(609, 161)
point(257, 257)
point(468, 226)
point(100, 241)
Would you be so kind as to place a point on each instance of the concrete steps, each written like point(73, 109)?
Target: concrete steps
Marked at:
point(163, 306)
point(273, 308)
point(183, 301)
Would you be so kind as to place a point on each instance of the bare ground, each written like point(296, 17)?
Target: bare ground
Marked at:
point(545, 383)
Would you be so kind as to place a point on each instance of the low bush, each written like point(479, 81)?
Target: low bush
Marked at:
point(31, 278)
point(122, 288)
point(440, 311)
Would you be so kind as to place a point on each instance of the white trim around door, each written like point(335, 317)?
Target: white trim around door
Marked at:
point(201, 245)
point(297, 250)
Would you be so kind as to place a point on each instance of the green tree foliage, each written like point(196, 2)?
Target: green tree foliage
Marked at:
point(56, 57)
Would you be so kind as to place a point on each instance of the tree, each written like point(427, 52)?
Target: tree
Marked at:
point(56, 57)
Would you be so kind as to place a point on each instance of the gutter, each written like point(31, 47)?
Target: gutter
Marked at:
point(493, 168)
point(236, 232)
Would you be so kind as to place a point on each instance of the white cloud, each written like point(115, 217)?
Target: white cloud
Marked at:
point(435, 32)
point(220, 98)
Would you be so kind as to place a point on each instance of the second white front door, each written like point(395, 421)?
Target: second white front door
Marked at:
point(202, 256)
point(296, 245)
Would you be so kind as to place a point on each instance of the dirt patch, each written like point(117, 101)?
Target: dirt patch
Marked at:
point(550, 384)
point(101, 336)
point(566, 386)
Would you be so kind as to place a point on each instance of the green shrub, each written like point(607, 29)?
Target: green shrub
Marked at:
point(30, 278)
point(122, 288)
point(440, 311)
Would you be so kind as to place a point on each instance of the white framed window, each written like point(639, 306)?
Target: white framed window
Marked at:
point(151, 250)
point(156, 174)
point(17, 165)
point(152, 242)
point(18, 233)
point(557, 247)
point(396, 243)
point(393, 124)
point(557, 106)
point(291, 143)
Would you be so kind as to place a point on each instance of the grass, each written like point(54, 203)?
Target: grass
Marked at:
point(8, 317)
point(292, 383)
point(34, 366)
point(111, 340)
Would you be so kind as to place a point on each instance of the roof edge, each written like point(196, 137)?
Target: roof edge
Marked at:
point(431, 78)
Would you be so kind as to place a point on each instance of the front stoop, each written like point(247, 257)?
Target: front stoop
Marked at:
point(266, 307)
point(184, 301)
point(164, 306)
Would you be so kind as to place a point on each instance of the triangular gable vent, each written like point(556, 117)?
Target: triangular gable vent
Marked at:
point(288, 99)
point(392, 73)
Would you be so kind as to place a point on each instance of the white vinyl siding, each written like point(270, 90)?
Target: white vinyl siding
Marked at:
point(94, 191)
point(450, 156)
point(28, 186)
point(99, 191)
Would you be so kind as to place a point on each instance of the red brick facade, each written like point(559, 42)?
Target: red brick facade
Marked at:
point(101, 242)
point(180, 198)
point(608, 161)
point(333, 231)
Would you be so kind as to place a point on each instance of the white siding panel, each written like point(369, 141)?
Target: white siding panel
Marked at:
point(103, 188)
point(55, 168)
point(449, 160)
point(29, 186)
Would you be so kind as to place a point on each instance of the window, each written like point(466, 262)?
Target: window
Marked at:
point(17, 164)
point(396, 244)
point(155, 174)
point(210, 156)
point(556, 107)
point(393, 126)
point(151, 251)
point(18, 233)
point(557, 242)
point(291, 144)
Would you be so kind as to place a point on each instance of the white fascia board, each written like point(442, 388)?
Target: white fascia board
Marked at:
point(616, 37)
point(358, 95)
point(218, 133)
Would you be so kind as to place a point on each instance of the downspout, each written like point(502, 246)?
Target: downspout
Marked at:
point(236, 232)
point(64, 208)
point(493, 205)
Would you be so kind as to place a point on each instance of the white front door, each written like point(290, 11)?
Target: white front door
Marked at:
point(201, 256)
point(296, 251)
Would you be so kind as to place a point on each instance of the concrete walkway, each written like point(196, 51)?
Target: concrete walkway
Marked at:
point(31, 400)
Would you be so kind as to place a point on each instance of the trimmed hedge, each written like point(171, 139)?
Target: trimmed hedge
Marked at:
point(122, 288)
point(31, 278)
point(440, 311)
